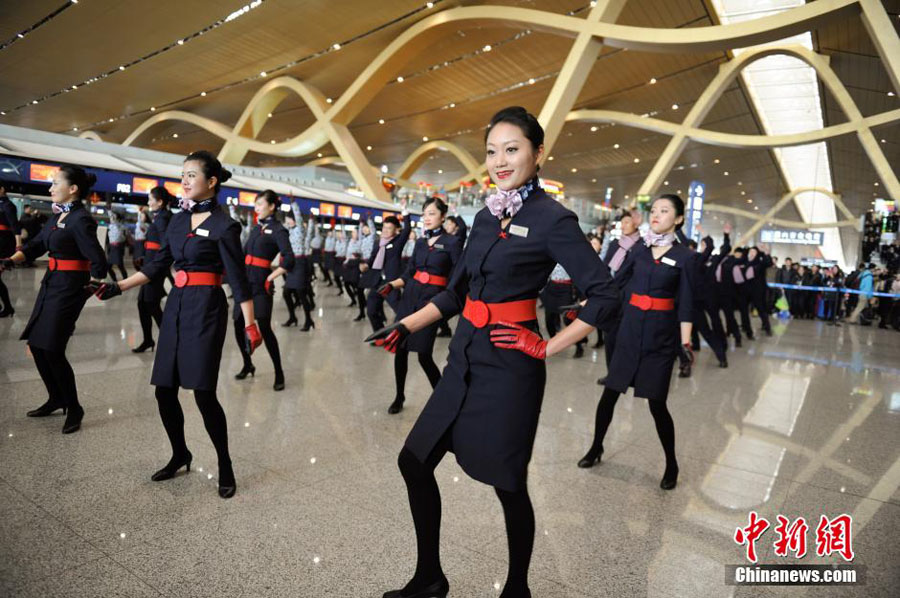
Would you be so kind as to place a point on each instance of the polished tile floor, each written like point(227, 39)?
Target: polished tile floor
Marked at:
point(804, 423)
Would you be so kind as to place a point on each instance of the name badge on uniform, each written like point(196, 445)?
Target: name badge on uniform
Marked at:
point(668, 261)
point(390, 246)
point(438, 246)
point(60, 225)
point(202, 232)
point(519, 231)
point(267, 231)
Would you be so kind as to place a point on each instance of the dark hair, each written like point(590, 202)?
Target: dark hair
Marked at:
point(438, 203)
point(516, 115)
point(624, 215)
point(392, 220)
point(271, 197)
point(677, 202)
point(76, 175)
point(162, 194)
point(211, 167)
point(692, 244)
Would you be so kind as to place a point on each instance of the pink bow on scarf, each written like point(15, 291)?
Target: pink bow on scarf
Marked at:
point(653, 239)
point(504, 203)
point(186, 204)
point(59, 208)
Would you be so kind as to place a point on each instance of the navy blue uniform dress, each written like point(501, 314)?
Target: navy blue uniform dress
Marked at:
point(9, 227)
point(154, 291)
point(62, 295)
point(196, 317)
point(438, 259)
point(489, 399)
point(647, 341)
point(267, 239)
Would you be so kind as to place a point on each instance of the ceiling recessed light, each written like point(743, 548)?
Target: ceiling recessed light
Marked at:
point(121, 68)
point(487, 48)
point(666, 183)
point(181, 42)
point(574, 170)
point(593, 129)
point(615, 146)
point(674, 106)
point(453, 104)
point(175, 135)
point(440, 171)
point(593, 180)
point(400, 79)
point(725, 173)
point(716, 161)
point(336, 46)
point(263, 73)
point(380, 121)
point(550, 158)
point(152, 108)
point(319, 155)
point(329, 100)
point(203, 94)
point(425, 138)
point(652, 80)
point(369, 148)
point(636, 160)
point(531, 81)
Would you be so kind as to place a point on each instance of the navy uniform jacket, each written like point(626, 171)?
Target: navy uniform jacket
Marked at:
point(267, 239)
point(438, 259)
point(154, 291)
point(62, 295)
point(710, 288)
point(9, 221)
point(757, 284)
point(392, 268)
point(647, 341)
point(490, 398)
point(196, 317)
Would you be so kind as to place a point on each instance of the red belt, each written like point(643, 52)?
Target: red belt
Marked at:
point(257, 261)
point(646, 302)
point(4, 227)
point(152, 245)
point(115, 244)
point(426, 278)
point(561, 281)
point(193, 279)
point(70, 265)
point(480, 314)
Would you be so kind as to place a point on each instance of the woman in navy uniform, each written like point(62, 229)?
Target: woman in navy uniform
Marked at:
point(755, 273)
point(150, 295)
point(707, 322)
point(77, 267)
point(485, 408)
point(115, 236)
point(384, 265)
point(297, 281)
point(655, 329)
point(267, 239)
point(558, 293)
point(427, 274)
point(203, 243)
point(351, 271)
point(367, 239)
point(10, 242)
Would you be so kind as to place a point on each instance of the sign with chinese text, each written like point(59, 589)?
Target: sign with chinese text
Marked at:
point(791, 237)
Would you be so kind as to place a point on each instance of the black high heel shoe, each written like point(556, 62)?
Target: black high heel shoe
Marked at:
point(247, 370)
point(73, 420)
point(46, 409)
point(279, 381)
point(309, 324)
point(438, 589)
point(670, 477)
point(397, 406)
point(144, 346)
point(359, 318)
point(227, 485)
point(175, 463)
point(591, 458)
point(290, 322)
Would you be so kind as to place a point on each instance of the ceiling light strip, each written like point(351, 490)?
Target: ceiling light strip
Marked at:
point(44, 21)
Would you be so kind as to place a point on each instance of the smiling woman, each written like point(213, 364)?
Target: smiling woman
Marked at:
point(485, 408)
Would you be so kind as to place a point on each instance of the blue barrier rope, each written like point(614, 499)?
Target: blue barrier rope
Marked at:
point(797, 287)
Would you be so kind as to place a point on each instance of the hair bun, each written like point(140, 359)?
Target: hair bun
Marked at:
point(91, 179)
point(226, 174)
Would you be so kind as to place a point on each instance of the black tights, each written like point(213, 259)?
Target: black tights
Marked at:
point(401, 367)
point(4, 296)
point(665, 427)
point(213, 420)
point(265, 329)
point(295, 298)
point(112, 273)
point(425, 505)
point(57, 375)
point(148, 312)
point(361, 301)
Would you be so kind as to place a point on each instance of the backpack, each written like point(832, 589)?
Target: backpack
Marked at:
point(852, 280)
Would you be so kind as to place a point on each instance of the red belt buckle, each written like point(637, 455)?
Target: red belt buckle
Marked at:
point(152, 245)
point(642, 302)
point(479, 313)
point(181, 278)
point(422, 277)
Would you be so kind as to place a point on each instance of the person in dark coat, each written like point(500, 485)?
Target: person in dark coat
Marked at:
point(382, 265)
point(150, 295)
point(351, 267)
point(427, 273)
point(758, 261)
point(485, 408)
point(267, 239)
point(715, 338)
point(728, 289)
point(203, 243)
point(10, 242)
point(655, 329)
point(77, 267)
point(743, 290)
point(706, 297)
point(117, 243)
point(557, 295)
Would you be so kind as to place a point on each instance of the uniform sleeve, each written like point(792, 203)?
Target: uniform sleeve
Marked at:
point(451, 300)
point(410, 269)
point(567, 246)
point(12, 217)
point(162, 259)
point(37, 246)
point(85, 234)
point(686, 292)
point(704, 257)
point(726, 244)
point(284, 248)
point(455, 253)
point(233, 257)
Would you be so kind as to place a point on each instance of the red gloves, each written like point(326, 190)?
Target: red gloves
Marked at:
point(508, 335)
point(269, 287)
point(254, 338)
point(385, 289)
point(685, 360)
point(390, 337)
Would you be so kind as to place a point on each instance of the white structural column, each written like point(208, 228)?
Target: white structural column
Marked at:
point(884, 36)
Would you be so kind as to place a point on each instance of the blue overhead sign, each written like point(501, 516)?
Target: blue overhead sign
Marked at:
point(694, 212)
